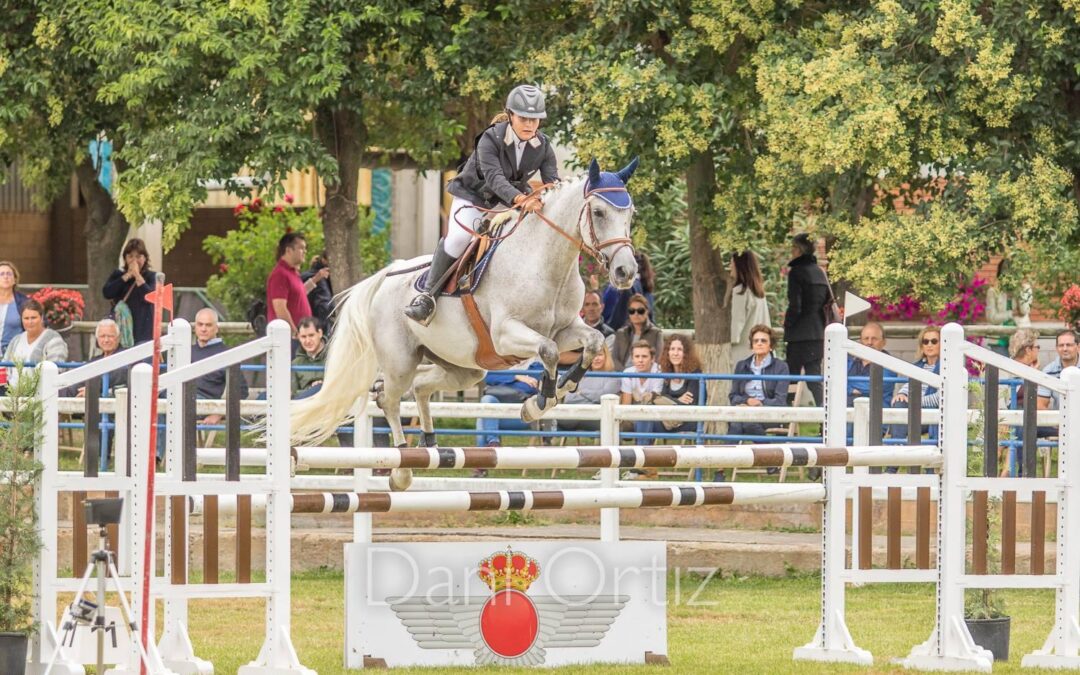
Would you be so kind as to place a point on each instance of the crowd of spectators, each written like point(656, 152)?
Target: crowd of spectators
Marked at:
point(633, 344)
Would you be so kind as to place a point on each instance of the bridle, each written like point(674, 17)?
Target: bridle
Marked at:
point(594, 247)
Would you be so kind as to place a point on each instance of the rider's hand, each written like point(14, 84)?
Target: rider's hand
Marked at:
point(527, 203)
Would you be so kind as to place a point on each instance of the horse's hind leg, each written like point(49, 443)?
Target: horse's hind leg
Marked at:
point(433, 378)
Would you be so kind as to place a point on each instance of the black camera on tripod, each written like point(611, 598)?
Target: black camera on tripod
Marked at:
point(102, 512)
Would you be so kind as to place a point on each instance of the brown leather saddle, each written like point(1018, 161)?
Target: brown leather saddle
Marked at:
point(464, 279)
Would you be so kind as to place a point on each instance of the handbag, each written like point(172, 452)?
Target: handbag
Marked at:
point(831, 310)
point(125, 322)
point(660, 399)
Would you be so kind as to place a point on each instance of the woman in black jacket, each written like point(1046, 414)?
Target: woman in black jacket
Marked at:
point(131, 284)
point(506, 155)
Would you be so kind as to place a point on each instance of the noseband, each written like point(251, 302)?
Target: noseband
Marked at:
point(594, 246)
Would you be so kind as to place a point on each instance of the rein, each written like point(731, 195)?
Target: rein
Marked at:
point(594, 249)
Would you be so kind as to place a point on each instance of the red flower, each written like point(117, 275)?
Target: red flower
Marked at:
point(256, 204)
point(279, 209)
point(223, 268)
point(288, 198)
point(239, 209)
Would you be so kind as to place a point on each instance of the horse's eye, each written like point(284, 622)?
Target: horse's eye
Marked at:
point(598, 213)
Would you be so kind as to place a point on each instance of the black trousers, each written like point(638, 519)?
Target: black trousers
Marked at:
point(804, 358)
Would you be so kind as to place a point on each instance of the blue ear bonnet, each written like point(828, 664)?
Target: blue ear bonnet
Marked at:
point(620, 200)
point(603, 179)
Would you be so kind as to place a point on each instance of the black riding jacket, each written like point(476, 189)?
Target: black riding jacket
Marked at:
point(491, 176)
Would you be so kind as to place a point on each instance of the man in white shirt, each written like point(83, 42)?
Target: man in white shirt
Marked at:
point(1065, 344)
point(641, 390)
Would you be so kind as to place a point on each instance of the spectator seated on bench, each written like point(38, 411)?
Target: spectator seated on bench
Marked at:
point(678, 356)
point(757, 393)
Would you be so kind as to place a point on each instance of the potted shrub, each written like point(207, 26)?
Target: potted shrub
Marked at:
point(20, 538)
point(984, 608)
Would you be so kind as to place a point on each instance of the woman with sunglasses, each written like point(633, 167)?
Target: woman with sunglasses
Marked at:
point(928, 349)
point(638, 328)
point(755, 393)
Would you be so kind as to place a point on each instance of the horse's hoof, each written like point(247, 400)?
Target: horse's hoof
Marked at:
point(568, 388)
point(400, 480)
point(532, 411)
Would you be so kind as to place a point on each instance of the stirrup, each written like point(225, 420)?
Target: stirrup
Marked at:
point(421, 309)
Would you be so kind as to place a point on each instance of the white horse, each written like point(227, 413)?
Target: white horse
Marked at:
point(530, 298)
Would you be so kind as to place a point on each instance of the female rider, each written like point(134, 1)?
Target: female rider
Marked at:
point(507, 154)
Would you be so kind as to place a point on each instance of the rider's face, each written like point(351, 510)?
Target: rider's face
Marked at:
point(524, 127)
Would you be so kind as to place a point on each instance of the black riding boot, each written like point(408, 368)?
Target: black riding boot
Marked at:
point(422, 308)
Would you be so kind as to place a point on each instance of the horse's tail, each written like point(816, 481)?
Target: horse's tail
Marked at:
point(351, 368)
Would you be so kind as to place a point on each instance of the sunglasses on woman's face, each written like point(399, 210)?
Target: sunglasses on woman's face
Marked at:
point(930, 341)
point(637, 310)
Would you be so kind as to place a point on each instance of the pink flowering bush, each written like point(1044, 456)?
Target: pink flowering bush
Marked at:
point(967, 307)
point(906, 308)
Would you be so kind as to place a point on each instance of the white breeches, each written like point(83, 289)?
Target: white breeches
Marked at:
point(457, 239)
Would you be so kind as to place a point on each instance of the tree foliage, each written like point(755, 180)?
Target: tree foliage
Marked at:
point(246, 256)
point(972, 104)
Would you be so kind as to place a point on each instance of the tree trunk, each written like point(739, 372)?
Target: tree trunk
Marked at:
point(106, 229)
point(344, 136)
point(712, 315)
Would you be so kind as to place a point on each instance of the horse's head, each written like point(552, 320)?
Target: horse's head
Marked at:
point(606, 225)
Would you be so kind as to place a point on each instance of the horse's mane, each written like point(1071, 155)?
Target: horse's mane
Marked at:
point(559, 187)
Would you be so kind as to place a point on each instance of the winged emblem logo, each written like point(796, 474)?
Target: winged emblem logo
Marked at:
point(508, 627)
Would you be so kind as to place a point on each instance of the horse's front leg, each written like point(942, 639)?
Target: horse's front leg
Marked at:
point(517, 338)
point(577, 335)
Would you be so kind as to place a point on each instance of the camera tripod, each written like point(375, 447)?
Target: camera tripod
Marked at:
point(83, 612)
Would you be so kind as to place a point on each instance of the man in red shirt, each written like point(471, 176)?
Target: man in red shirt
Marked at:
point(286, 293)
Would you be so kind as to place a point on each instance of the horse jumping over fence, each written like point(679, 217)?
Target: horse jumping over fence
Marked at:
point(530, 305)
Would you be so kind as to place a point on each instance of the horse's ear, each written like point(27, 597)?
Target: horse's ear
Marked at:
point(594, 172)
point(627, 171)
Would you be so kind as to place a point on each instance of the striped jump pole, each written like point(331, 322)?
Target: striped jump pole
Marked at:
point(592, 457)
point(456, 501)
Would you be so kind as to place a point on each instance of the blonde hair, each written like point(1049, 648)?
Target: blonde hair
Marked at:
point(923, 333)
point(501, 117)
point(1022, 339)
point(14, 270)
point(609, 363)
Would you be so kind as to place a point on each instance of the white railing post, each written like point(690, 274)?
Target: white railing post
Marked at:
point(46, 452)
point(363, 437)
point(860, 437)
point(950, 646)
point(277, 655)
point(1062, 647)
point(175, 644)
point(122, 468)
point(142, 525)
point(609, 436)
point(833, 641)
